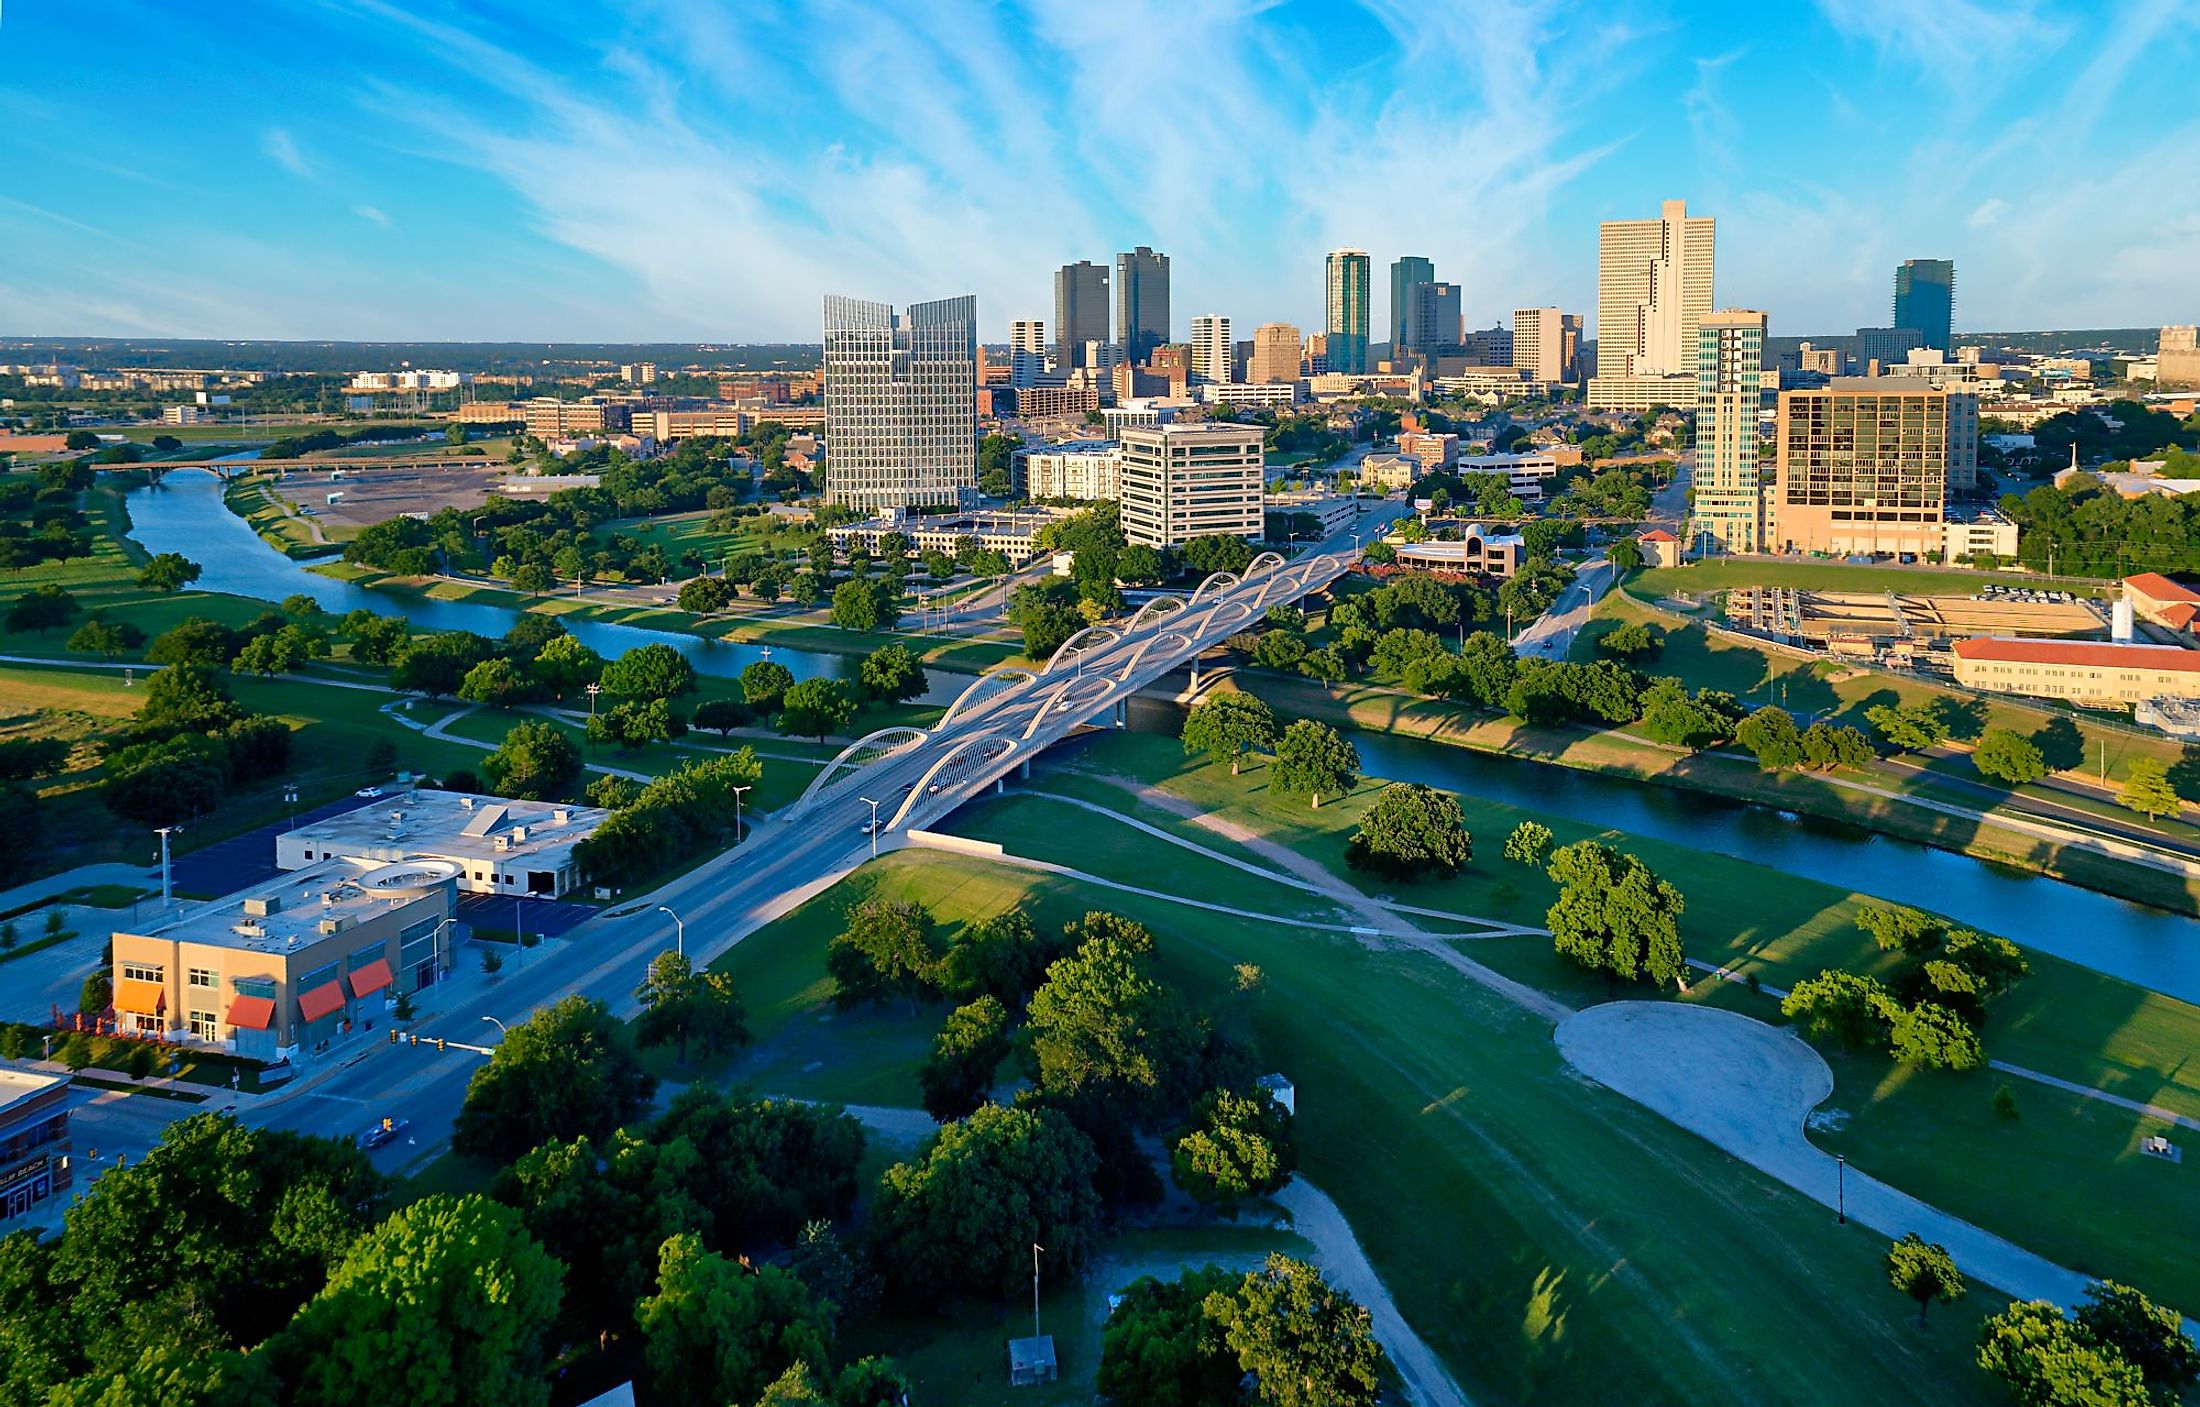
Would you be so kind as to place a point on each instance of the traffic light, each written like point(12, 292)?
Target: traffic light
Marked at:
point(412, 1038)
point(393, 1037)
point(439, 1043)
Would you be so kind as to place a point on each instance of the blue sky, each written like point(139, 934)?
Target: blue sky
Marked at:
point(687, 170)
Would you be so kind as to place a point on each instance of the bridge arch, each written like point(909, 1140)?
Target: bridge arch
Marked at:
point(1091, 630)
point(1058, 699)
point(1239, 614)
point(1152, 611)
point(994, 747)
point(1183, 641)
point(1214, 585)
point(984, 689)
point(1265, 562)
point(873, 743)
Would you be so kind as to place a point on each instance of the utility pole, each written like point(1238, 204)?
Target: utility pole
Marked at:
point(166, 893)
point(874, 823)
point(737, 793)
point(1035, 1249)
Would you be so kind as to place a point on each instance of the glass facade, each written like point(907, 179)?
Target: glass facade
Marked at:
point(901, 411)
point(1345, 305)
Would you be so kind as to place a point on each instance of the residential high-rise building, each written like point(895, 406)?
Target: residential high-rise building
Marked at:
point(1080, 311)
point(1887, 346)
point(1185, 481)
point(901, 402)
point(1730, 497)
point(1433, 320)
point(1547, 344)
point(1344, 310)
point(1276, 354)
point(1141, 302)
point(1405, 272)
point(1211, 348)
point(1654, 280)
point(1925, 298)
point(2177, 356)
point(1865, 464)
point(1027, 352)
point(1027, 335)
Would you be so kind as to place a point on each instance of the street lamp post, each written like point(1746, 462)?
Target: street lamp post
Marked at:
point(593, 690)
point(435, 944)
point(679, 931)
point(1841, 1188)
point(874, 823)
point(737, 794)
point(498, 1024)
point(290, 802)
point(166, 894)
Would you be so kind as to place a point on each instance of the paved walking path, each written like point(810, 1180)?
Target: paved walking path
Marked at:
point(1767, 1082)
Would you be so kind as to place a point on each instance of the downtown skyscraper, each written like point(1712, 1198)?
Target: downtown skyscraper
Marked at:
point(1653, 287)
point(1348, 274)
point(1141, 302)
point(1212, 351)
point(1406, 272)
point(901, 403)
point(1925, 298)
point(1731, 503)
point(1080, 311)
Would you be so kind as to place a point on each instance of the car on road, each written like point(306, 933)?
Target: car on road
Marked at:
point(382, 1134)
point(368, 792)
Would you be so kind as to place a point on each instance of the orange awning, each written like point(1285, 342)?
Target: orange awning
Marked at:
point(321, 1001)
point(371, 978)
point(251, 1013)
point(141, 998)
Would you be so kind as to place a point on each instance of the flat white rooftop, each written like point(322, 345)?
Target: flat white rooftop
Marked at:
point(447, 824)
point(296, 909)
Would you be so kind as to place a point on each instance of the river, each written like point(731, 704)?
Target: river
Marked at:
point(185, 514)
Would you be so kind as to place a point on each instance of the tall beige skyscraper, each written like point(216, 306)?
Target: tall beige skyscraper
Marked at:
point(1731, 501)
point(1211, 348)
point(1028, 335)
point(901, 402)
point(1275, 354)
point(1547, 344)
point(1653, 288)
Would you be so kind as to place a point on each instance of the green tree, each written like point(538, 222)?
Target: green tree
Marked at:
point(1313, 758)
point(1925, 1272)
point(1002, 956)
point(1671, 715)
point(764, 683)
point(2046, 1360)
point(176, 1375)
point(1411, 830)
point(1770, 734)
point(1103, 1023)
point(963, 1217)
point(101, 636)
point(722, 716)
point(2146, 789)
point(1907, 727)
point(565, 667)
point(436, 664)
point(814, 708)
point(2149, 1336)
point(680, 1004)
point(1528, 844)
point(653, 671)
point(885, 953)
point(196, 640)
point(1930, 1036)
point(497, 683)
point(1614, 916)
point(705, 595)
point(1159, 1348)
point(445, 1303)
point(41, 609)
point(1306, 1344)
point(966, 1054)
point(1827, 746)
point(163, 783)
point(892, 674)
point(1837, 1005)
point(1624, 553)
point(1228, 726)
point(535, 761)
point(2009, 757)
point(567, 1070)
point(761, 1169)
point(1237, 1146)
point(866, 605)
point(631, 723)
point(719, 1331)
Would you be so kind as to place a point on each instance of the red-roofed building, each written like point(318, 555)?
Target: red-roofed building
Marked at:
point(1659, 548)
point(2156, 598)
point(2082, 671)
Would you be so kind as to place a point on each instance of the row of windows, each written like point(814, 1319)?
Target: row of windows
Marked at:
point(144, 972)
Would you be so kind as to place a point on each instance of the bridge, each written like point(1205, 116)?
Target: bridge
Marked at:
point(905, 778)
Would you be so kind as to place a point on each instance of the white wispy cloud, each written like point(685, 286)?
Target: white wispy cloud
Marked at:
point(282, 149)
point(373, 215)
point(1954, 41)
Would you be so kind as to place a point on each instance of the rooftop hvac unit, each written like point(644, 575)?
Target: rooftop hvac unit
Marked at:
point(261, 905)
point(519, 834)
point(335, 923)
point(328, 901)
point(465, 803)
point(502, 842)
point(249, 930)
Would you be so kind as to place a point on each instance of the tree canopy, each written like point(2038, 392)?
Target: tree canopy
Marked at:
point(1614, 916)
point(565, 1071)
point(1410, 831)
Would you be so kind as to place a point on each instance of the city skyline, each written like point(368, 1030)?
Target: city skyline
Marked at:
point(650, 179)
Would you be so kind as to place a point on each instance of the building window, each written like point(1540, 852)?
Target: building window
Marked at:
point(203, 977)
point(254, 987)
point(206, 1026)
point(143, 972)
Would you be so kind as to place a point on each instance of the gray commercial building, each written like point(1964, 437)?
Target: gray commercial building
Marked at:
point(1406, 272)
point(1925, 298)
point(1185, 481)
point(901, 403)
point(1141, 302)
point(1080, 312)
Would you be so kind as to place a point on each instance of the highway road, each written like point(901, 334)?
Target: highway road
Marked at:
point(917, 778)
point(1552, 634)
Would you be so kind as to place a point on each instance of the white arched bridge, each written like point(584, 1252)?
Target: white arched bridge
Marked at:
point(912, 776)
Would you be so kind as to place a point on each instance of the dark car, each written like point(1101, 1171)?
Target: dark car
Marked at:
point(385, 1132)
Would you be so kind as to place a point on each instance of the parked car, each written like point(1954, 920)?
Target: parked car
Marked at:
point(368, 792)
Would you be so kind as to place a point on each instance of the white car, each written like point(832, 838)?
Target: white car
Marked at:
point(368, 792)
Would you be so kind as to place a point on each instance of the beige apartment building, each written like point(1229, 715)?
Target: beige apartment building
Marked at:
point(1865, 464)
point(2177, 357)
point(1435, 451)
point(551, 419)
point(2080, 671)
point(1276, 351)
point(1086, 469)
point(284, 968)
point(1547, 345)
point(1185, 481)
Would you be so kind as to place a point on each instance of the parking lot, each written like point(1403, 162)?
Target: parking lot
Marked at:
point(241, 861)
point(552, 918)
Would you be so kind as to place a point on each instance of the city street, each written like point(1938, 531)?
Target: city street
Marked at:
point(1552, 634)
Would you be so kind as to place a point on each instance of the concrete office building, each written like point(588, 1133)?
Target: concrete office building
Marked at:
point(1185, 481)
point(1212, 349)
point(1730, 500)
point(1436, 451)
point(901, 403)
point(1141, 302)
point(1347, 276)
point(1080, 312)
point(499, 845)
point(1087, 469)
point(1406, 273)
point(1276, 354)
point(1547, 345)
point(2091, 672)
point(1654, 284)
point(286, 967)
point(1316, 357)
point(1925, 298)
point(2177, 358)
point(1865, 464)
point(1885, 346)
point(1433, 320)
point(34, 1141)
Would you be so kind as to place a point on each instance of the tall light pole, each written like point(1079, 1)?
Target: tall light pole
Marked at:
point(290, 802)
point(679, 931)
point(874, 823)
point(737, 794)
point(1841, 1188)
point(435, 941)
point(593, 690)
point(166, 894)
point(498, 1024)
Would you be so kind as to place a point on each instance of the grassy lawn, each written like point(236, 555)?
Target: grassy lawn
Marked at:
point(258, 500)
point(1480, 1176)
point(1703, 578)
point(783, 779)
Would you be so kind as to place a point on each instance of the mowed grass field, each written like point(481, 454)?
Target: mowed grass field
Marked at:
point(1703, 578)
point(1549, 1239)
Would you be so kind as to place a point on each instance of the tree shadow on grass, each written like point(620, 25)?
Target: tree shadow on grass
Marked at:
point(1965, 718)
point(2061, 745)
